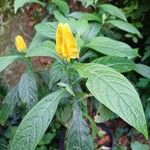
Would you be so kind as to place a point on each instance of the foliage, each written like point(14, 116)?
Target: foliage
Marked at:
point(59, 94)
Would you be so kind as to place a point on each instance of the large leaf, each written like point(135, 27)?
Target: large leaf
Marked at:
point(78, 137)
point(47, 29)
point(28, 91)
point(113, 10)
point(19, 3)
point(6, 60)
point(111, 47)
point(125, 26)
point(35, 123)
point(63, 6)
point(114, 91)
point(143, 70)
point(120, 64)
point(9, 104)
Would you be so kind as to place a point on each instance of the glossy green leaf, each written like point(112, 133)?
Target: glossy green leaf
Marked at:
point(63, 6)
point(143, 70)
point(113, 10)
point(78, 137)
point(114, 91)
point(111, 47)
point(19, 3)
point(36, 122)
point(28, 91)
point(7, 60)
point(125, 26)
point(120, 64)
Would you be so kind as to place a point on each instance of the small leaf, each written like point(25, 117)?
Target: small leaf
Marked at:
point(67, 87)
point(120, 64)
point(6, 60)
point(125, 26)
point(143, 70)
point(113, 10)
point(111, 47)
point(105, 114)
point(78, 137)
point(47, 29)
point(63, 6)
point(19, 3)
point(36, 122)
point(28, 91)
point(115, 92)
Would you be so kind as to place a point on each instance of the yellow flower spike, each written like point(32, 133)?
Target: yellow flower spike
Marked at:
point(20, 44)
point(66, 45)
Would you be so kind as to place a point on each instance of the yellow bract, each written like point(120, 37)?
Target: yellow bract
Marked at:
point(66, 46)
point(20, 44)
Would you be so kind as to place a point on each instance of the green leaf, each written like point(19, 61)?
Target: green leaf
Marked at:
point(56, 73)
point(67, 87)
point(125, 26)
point(7, 60)
point(139, 146)
point(47, 138)
point(111, 47)
point(19, 3)
point(46, 48)
point(93, 31)
point(63, 6)
point(78, 137)
point(81, 26)
point(120, 64)
point(36, 122)
point(85, 16)
point(28, 91)
point(143, 70)
point(9, 104)
point(113, 10)
point(47, 29)
point(105, 114)
point(115, 92)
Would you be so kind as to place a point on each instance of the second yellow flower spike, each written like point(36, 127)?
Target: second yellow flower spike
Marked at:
point(20, 44)
point(66, 46)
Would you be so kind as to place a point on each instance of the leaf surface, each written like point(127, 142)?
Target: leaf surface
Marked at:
point(7, 60)
point(114, 91)
point(111, 47)
point(78, 137)
point(36, 122)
